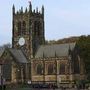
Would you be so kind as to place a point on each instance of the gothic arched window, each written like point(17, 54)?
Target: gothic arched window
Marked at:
point(76, 66)
point(50, 69)
point(62, 69)
point(39, 69)
point(24, 27)
point(37, 26)
point(19, 28)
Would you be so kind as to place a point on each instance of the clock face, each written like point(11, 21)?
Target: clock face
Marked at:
point(21, 41)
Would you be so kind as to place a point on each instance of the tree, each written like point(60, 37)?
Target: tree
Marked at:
point(83, 45)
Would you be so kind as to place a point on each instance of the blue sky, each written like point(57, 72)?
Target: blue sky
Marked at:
point(63, 18)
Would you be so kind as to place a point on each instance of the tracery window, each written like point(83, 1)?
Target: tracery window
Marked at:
point(19, 28)
point(76, 66)
point(62, 69)
point(37, 26)
point(39, 69)
point(23, 27)
point(50, 69)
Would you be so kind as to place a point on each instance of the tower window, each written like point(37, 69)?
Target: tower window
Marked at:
point(19, 28)
point(24, 27)
point(37, 26)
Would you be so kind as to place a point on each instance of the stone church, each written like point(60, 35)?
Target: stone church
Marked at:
point(37, 62)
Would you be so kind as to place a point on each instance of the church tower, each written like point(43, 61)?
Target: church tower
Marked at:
point(28, 30)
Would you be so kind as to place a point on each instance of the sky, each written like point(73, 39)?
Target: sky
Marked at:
point(63, 18)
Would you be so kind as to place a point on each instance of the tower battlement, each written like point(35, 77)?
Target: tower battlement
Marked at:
point(28, 10)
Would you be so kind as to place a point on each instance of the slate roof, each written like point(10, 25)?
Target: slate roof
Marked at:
point(54, 50)
point(2, 49)
point(18, 55)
